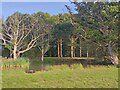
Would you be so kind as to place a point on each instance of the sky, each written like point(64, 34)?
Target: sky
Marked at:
point(53, 8)
point(0, 10)
point(34, 0)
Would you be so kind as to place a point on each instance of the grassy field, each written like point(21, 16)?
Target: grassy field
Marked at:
point(62, 76)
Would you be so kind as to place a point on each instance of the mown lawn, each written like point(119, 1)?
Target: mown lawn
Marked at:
point(62, 76)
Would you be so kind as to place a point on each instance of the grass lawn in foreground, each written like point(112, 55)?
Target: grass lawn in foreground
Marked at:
point(62, 76)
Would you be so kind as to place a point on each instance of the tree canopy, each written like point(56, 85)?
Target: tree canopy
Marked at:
point(68, 34)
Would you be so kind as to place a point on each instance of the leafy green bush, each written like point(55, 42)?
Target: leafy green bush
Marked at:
point(13, 62)
point(22, 60)
point(118, 66)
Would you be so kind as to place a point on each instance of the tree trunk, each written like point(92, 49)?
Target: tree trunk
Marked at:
point(15, 47)
point(72, 47)
point(42, 53)
point(87, 51)
point(60, 48)
point(74, 52)
point(80, 49)
point(113, 55)
point(42, 50)
point(15, 52)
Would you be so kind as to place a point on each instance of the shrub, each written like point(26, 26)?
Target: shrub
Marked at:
point(118, 66)
point(22, 60)
point(13, 62)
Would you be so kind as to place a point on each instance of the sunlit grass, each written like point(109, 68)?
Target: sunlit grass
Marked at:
point(62, 76)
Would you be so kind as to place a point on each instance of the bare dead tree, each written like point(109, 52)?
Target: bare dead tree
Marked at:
point(16, 29)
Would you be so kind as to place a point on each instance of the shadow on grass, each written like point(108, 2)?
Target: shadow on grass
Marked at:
point(38, 65)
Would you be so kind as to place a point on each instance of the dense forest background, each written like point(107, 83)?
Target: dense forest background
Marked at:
point(92, 32)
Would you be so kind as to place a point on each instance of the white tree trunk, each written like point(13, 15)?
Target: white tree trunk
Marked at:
point(87, 52)
point(80, 49)
point(72, 47)
point(113, 55)
point(42, 53)
point(15, 52)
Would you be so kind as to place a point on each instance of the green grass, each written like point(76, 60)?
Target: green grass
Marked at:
point(61, 76)
point(12, 62)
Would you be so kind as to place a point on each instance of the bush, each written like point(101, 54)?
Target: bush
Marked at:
point(118, 66)
point(13, 62)
point(23, 59)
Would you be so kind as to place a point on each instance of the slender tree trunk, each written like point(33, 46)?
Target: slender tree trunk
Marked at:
point(15, 52)
point(72, 47)
point(113, 55)
point(60, 48)
point(80, 49)
point(42, 53)
point(42, 50)
point(87, 51)
point(74, 52)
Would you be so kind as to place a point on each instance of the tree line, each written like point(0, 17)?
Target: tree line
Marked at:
point(91, 32)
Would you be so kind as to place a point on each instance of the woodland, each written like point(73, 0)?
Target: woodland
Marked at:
point(91, 32)
point(68, 50)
